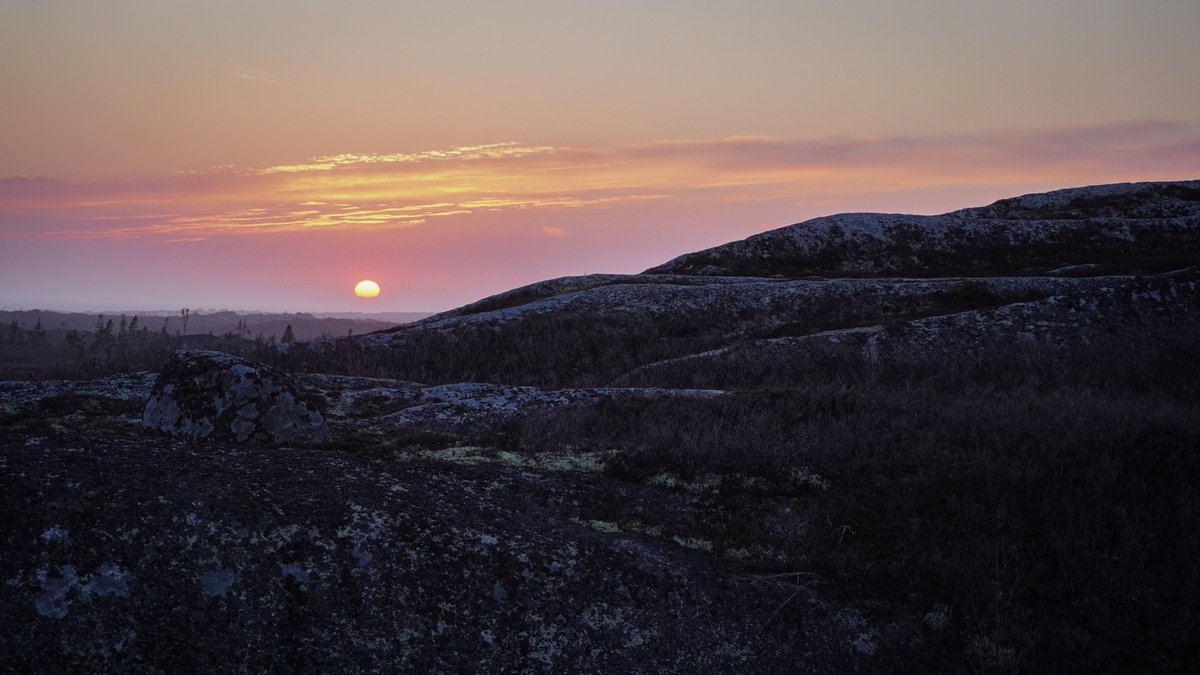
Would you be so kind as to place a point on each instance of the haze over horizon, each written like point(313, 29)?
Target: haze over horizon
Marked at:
point(268, 155)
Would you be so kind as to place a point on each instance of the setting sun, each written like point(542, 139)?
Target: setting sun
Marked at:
point(366, 289)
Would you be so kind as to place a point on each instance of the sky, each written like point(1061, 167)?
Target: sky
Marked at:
point(267, 155)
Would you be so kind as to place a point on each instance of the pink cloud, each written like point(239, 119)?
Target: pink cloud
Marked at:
point(381, 191)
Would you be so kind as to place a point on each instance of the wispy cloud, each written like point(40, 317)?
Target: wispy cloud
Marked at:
point(255, 75)
point(507, 150)
point(359, 191)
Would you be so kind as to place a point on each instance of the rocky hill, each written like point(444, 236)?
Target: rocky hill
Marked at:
point(866, 443)
point(1135, 227)
point(829, 274)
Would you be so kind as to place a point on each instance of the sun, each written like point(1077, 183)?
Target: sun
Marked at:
point(366, 289)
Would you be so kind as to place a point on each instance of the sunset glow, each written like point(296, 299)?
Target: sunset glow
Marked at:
point(214, 147)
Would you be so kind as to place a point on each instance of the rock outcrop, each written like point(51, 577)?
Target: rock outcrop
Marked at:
point(1129, 226)
point(467, 408)
point(215, 395)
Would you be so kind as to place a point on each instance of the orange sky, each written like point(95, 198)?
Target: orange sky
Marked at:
point(270, 154)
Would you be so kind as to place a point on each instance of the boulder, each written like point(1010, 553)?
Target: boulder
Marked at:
point(215, 395)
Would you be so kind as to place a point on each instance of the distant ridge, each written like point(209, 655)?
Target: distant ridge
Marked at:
point(387, 317)
point(304, 325)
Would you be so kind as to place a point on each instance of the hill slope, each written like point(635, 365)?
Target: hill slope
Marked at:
point(925, 447)
point(1134, 227)
point(592, 330)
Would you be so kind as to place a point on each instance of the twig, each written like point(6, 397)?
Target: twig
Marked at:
point(786, 601)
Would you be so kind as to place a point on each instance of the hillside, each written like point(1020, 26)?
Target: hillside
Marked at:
point(840, 272)
point(1064, 323)
point(1134, 227)
point(866, 443)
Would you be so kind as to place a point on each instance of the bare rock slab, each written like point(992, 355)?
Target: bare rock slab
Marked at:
point(202, 394)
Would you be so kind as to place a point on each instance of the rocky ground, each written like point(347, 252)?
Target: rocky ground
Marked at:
point(136, 551)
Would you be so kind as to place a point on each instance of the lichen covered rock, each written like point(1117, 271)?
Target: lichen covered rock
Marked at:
point(148, 554)
point(215, 395)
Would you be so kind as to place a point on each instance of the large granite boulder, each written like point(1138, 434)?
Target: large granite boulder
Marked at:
point(215, 395)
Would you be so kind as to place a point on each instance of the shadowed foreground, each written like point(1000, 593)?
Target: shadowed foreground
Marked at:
point(148, 553)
